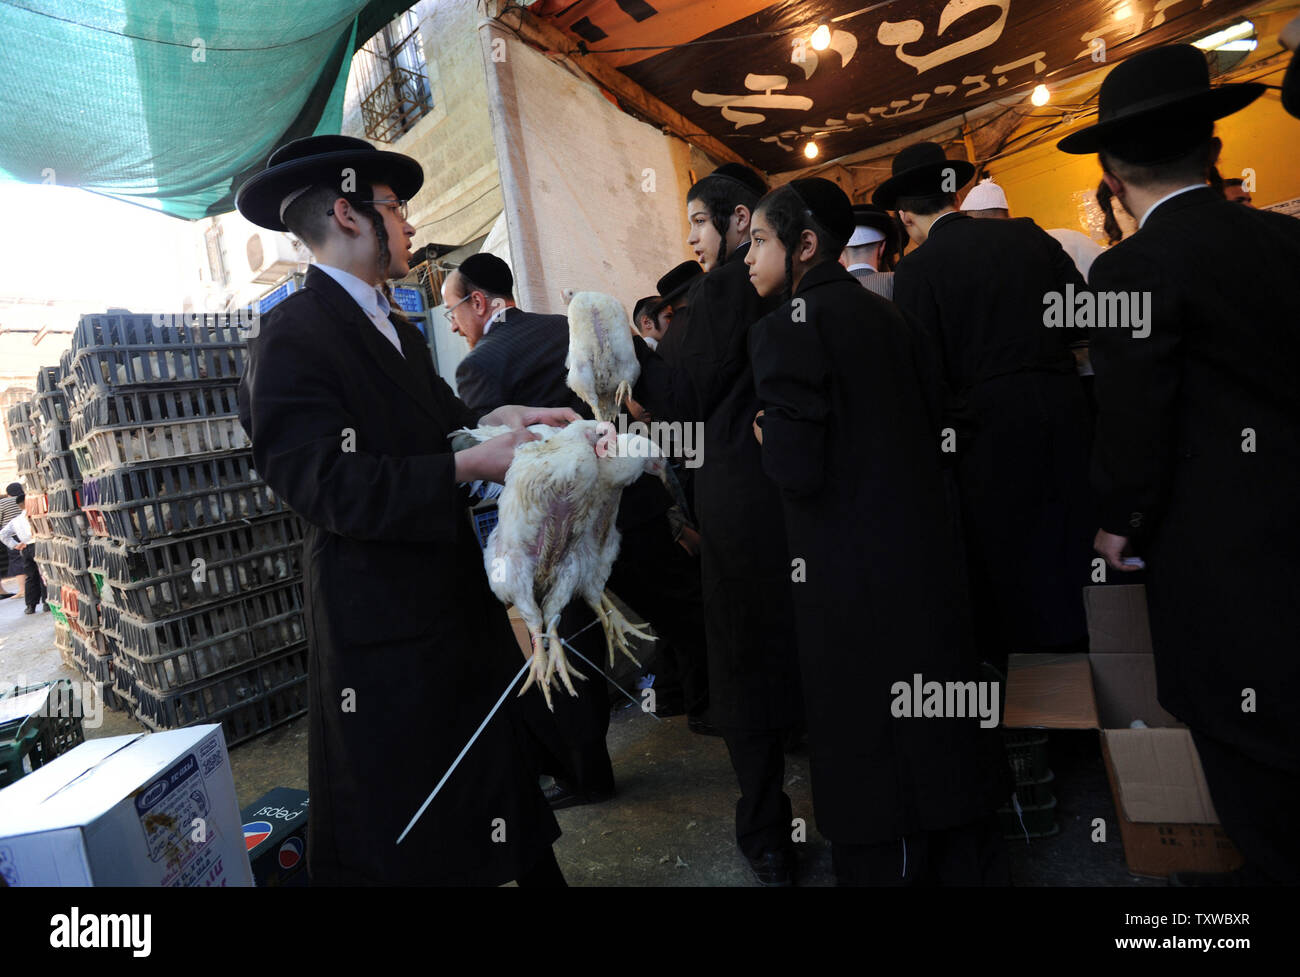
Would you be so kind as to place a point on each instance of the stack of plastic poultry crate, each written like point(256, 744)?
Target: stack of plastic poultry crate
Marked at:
point(58, 525)
point(201, 563)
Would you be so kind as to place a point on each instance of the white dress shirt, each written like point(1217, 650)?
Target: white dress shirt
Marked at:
point(1193, 186)
point(862, 264)
point(497, 316)
point(372, 301)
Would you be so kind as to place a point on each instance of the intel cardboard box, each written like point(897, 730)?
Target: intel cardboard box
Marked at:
point(1167, 820)
point(146, 809)
point(275, 832)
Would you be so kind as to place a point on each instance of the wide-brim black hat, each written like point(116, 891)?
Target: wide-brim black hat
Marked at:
point(1156, 105)
point(674, 283)
point(921, 170)
point(322, 160)
point(869, 215)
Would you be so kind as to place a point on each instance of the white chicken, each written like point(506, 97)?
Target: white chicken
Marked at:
point(555, 536)
point(602, 362)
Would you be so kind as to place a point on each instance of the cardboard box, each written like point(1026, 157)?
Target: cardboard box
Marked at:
point(275, 833)
point(146, 809)
point(1166, 818)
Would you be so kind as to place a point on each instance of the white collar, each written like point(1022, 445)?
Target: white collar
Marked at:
point(369, 297)
point(1193, 186)
point(861, 264)
point(498, 316)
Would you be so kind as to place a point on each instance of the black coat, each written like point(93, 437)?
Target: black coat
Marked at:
point(748, 609)
point(518, 358)
point(1218, 526)
point(851, 436)
point(397, 604)
point(1015, 403)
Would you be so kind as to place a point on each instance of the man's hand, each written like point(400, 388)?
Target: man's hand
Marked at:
point(758, 430)
point(689, 540)
point(20, 547)
point(490, 460)
point(1114, 549)
point(515, 416)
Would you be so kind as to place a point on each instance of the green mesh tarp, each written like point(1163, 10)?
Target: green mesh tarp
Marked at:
point(171, 104)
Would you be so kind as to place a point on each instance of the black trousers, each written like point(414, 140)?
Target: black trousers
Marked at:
point(763, 812)
point(33, 585)
point(569, 743)
point(1256, 804)
point(545, 874)
point(972, 854)
point(661, 581)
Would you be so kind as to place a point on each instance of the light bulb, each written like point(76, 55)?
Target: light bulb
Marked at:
point(1040, 95)
point(821, 38)
point(810, 150)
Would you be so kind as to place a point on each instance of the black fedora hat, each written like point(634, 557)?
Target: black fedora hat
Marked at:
point(322, 159)
point(671, 286)
point(919, 170)
point(879, 219)
point(1156, 105)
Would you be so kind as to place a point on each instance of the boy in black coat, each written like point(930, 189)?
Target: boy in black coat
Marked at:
point(850, 435)
point(409, 649)
point(753, 671)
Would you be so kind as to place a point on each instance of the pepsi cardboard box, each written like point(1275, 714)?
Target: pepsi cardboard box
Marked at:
point(155, 809)
point(275, 833)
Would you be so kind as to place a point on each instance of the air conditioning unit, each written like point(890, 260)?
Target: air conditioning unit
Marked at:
point(272, 255)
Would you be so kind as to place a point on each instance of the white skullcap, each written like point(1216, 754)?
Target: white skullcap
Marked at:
point(865, 235)
point(985, 195)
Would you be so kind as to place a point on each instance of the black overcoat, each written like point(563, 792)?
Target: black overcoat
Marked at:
point(744, 565)
point(851, 437)
point(402, 625)
point(1016, 406)
point(1197, 459)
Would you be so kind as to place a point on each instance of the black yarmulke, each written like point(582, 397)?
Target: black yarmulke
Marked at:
point(488, 272)
point(829, 204)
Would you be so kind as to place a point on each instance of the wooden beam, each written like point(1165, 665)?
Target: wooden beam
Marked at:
point(537, 32)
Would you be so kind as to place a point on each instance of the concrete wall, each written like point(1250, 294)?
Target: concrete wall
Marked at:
point(461, 196)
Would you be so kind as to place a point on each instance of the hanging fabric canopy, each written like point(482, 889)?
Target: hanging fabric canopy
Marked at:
point(748, 72)
point(171, 104)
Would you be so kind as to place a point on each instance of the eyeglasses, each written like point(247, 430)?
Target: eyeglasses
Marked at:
point(448, 310)
point(401, 206)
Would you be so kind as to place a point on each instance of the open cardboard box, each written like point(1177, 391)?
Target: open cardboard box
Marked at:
point(1166, 818)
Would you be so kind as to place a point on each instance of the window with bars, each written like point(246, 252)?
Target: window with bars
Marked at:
point(393, 82)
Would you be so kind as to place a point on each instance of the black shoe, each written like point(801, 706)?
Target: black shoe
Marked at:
point(773, 868)
point(702, 726)
point(29, 610)
point(4, 594)
point(559, 797)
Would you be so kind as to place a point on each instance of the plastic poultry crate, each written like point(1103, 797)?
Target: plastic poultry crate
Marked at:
point(248, 701)
point(107, 448)
point(217, 636)
point(141, 504)
point(1026, 751)
point(31, 741)
point(62, 466)
point(140, 408)
point(131, 350)
point(165, 577)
